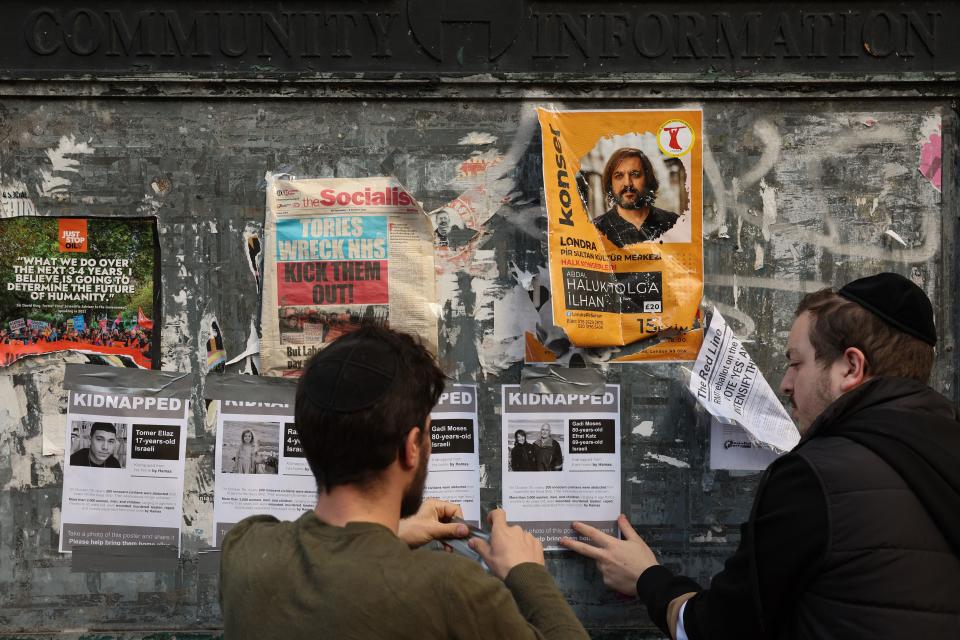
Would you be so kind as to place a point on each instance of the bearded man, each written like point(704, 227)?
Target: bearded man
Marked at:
point(856, 532)
point(347, 569)
point(549, 453)
point(630, 186)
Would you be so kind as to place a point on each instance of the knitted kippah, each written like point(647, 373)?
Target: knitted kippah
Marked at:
point(897, 301)
point(351, 375)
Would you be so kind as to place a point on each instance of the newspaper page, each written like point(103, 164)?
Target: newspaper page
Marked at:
point(561, 461)
point(454, 469)
point(624, 222)
point(727, 383)
point(732, 448)
point(80, 284)
point(260, 467)
point(340, 253)
point(124, 457)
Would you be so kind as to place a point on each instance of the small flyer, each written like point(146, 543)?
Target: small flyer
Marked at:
point(454, 470)
point(124, 458)
point(260, 467)
point(729, 385)
point(561, 461)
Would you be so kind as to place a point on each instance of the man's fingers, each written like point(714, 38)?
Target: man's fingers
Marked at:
point(629, 533)
point(497, 518)
point(593, 533)
point(582, 548)
point(444, 530)
point(481, 547)
point(446, 510)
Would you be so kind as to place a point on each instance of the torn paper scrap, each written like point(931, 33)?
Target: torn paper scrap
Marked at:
point(727, 383)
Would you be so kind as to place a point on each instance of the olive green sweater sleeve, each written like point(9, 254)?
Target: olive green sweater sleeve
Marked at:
point(528, 606)
point(542, 604)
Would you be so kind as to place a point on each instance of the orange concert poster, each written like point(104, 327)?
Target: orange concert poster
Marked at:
point(624, 195)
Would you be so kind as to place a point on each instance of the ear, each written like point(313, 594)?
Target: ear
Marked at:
point(851, 369)
point(412, 448)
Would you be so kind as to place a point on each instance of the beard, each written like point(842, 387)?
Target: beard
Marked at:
point(642, 199)
point(414, 494)
point(820, 399)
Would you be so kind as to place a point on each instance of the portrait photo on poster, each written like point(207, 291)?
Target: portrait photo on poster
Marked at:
point(535, 445)
point(250, 447)
point(99, 444)
point(634, 192)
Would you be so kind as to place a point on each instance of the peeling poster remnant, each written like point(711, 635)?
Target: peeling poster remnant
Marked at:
point(252, 249)
point(55, 182)
point(216, 354)
point(931, 151)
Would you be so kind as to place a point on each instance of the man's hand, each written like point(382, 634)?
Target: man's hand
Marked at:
point(427, 524)
point(620, 561)
point(509, 546)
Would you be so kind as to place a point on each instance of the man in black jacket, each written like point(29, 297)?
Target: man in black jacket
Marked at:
point(856, 532)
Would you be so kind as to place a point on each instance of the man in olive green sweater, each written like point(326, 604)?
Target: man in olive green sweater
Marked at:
point(348, 569)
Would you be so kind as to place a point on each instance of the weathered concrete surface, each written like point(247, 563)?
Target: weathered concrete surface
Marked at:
point(798, 194)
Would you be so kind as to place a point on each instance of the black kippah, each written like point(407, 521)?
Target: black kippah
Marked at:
point(897, 301)
point(351, 375)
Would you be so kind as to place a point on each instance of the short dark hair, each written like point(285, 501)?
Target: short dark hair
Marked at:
point(839, 324)
point(102, 426)
point(354, 447)
point(649, 177)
